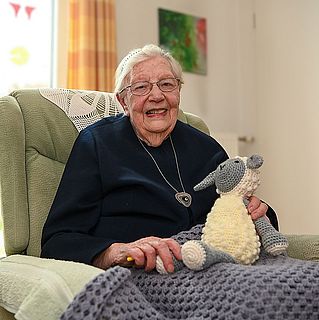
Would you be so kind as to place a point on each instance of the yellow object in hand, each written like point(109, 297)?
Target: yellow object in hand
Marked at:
point(129, 259)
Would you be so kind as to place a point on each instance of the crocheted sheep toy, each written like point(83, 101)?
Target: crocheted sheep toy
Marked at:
point(229, 232)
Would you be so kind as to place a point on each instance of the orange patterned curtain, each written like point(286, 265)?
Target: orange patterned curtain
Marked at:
point(92, 45)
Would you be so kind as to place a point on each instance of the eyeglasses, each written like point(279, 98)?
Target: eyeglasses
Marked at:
point(143, 88)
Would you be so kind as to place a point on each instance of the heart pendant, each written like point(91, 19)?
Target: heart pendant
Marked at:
point(184, 198)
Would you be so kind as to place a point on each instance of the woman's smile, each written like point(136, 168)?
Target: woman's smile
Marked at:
point(156, 112)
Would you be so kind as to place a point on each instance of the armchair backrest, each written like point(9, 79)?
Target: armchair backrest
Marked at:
point(36, 139)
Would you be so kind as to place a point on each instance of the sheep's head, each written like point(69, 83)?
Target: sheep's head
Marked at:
point(239, 175)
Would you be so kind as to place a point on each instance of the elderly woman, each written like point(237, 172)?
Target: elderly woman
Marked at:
point(128, 184)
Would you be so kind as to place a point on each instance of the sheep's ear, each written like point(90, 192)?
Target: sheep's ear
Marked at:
point(208, 181)
point(255, 161)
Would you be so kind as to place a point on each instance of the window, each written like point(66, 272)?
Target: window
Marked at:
point(26, 49)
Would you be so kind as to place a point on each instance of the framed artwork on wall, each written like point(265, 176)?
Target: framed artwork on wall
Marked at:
point(185, 37)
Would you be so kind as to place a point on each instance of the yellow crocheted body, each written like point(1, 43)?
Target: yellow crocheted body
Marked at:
point(230, 229)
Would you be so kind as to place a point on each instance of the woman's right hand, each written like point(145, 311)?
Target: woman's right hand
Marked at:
point(143, 253)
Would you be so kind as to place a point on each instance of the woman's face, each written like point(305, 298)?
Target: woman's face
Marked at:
point(154, 114)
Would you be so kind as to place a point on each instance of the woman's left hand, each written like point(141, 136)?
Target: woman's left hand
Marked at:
point(256, 208)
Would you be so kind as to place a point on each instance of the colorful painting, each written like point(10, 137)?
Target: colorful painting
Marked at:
point(185, 37)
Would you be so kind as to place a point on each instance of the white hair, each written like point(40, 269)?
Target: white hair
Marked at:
point(141, 54)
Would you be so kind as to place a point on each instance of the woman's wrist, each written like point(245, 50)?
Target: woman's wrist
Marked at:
point(104, 260)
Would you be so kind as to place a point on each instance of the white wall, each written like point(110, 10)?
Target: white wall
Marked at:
point(288, 109)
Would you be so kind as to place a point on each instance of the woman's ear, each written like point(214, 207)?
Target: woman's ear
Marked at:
point(120, 98)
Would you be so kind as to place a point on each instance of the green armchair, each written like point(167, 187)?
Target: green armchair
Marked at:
point(37, 130)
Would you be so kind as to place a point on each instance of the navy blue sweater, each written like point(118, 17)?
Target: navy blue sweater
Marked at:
point(111, 190)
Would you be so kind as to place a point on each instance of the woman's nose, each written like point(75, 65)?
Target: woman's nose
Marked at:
point(156, 92)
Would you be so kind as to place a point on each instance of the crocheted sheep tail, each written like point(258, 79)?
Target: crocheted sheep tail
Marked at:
point(273, 241)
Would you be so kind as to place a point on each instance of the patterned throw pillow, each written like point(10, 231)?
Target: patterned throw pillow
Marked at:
point(83, 107)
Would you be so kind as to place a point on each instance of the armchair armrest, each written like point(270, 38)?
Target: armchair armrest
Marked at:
point(304, 247)
point(13, 185)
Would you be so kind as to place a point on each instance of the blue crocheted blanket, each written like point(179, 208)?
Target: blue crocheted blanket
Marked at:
point(272, 288)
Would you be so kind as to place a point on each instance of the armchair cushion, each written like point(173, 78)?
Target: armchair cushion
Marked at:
point(304, 247)
point(36, 289)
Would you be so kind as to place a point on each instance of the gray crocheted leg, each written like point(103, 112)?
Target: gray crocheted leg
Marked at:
point(273, 241)
point(198, 256)
point(178, 265)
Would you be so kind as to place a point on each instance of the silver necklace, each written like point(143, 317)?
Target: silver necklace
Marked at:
point(181, 196)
